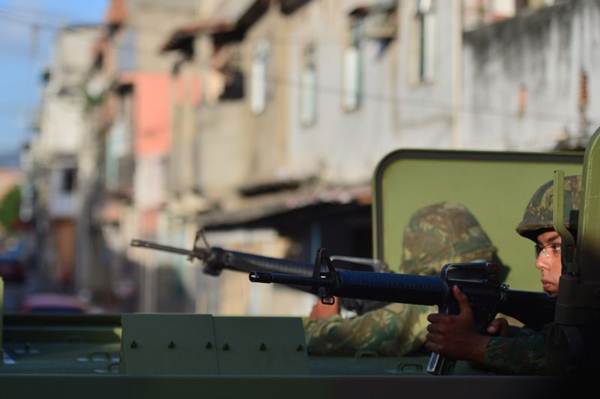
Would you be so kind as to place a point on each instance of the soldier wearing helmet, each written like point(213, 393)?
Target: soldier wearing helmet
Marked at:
point(435, 235)
point(521, 351)
point(537, 226)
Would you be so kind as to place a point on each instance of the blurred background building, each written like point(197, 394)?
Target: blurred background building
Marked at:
point(262, 121)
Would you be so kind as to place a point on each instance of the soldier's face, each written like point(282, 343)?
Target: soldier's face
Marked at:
point(548, 261)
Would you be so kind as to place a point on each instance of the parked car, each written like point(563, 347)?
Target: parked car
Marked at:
point(51, 303)
point(12, 268)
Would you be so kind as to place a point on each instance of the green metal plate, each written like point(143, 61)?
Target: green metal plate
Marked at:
point(168, 344)
point(288, 387)
point(1, 320)
point(589, 218)
point(38, 344)
point(261, 345)
point(494, 186)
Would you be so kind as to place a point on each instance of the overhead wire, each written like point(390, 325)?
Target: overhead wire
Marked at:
point(50, 23)
point(423, 103)
point(25, 20)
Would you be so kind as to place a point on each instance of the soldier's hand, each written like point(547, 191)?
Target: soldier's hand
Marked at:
point(455, 336)
point(321, 311)
point(499, 327)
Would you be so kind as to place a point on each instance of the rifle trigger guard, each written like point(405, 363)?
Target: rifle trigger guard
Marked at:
point(326, 299)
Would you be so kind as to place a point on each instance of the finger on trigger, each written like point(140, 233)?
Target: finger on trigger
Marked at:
point(463, 302)
point(434, 317)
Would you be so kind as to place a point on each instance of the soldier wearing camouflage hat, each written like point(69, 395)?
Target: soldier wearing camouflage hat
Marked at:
point(522, 351)
point(435, 235)
point(537, 226)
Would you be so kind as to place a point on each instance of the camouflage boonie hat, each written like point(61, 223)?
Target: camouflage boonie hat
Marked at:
point(443, 233)
point(538, 214)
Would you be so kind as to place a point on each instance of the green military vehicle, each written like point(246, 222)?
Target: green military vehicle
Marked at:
point(183, 355)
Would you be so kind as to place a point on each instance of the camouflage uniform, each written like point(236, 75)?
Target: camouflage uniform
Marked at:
point(526, 351)
point(435, 235)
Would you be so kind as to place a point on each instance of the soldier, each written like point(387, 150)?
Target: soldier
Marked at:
point(435, 235)
point(521, 351)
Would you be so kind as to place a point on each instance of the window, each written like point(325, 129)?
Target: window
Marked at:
point(426, 30)
point(522, 100)
point(352, 84)
point(308, 87)
point(127, 50)
point(233, 89)
point(68, 181)
point(259, 74)
point(233, 76)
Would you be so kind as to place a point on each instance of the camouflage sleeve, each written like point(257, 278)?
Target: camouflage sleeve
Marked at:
point(393, 330)
point(524, 353)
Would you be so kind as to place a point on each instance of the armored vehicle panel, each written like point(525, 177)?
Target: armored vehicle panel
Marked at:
point(158, 355)
point(93, 357)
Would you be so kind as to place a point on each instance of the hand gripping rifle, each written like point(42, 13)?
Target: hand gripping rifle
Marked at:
point(217, 259)
point(479, 281)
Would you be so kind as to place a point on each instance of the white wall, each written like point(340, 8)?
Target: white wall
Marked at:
point(344, 147)
point(545, 52)
point(62, 126)
point(149, 182)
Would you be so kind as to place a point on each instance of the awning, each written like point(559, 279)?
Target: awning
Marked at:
point(257, 208)
point(188, 204)
point(182, 37)
point(226, 26)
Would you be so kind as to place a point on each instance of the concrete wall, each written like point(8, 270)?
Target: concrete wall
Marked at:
point(523, 79)
point(72, 56)
point(149, 182)
point(395, 111)
point(425, 112)
point(268, 129)
point(62, 121)
point(151, 114)
point(244, 148)
point(224, 142)
point(148, 24)
point(62, 126)
point(57, 152)
point(185, 92)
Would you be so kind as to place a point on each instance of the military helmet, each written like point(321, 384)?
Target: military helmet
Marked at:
point(443, 233)
point(538, 214)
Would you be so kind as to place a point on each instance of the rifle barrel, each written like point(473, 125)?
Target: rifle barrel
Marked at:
point(388, 287)
point(392, 287)
point(532, 308)
point(168, 248)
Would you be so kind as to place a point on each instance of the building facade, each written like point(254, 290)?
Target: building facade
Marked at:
point(262, 122)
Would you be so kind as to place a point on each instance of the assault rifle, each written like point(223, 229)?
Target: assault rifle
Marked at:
point(479, 281)
point(217, 259)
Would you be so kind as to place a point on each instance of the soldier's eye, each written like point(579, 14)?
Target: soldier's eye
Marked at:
point(547, 250)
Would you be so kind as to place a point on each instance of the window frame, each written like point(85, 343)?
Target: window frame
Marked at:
point(308, 93)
